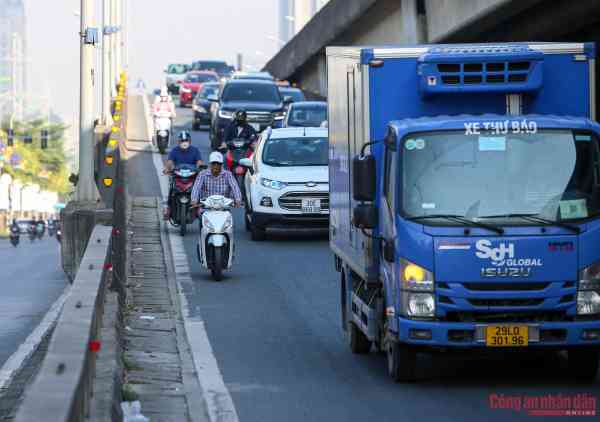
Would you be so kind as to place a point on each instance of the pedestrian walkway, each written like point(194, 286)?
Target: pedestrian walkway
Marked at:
point(158, 369)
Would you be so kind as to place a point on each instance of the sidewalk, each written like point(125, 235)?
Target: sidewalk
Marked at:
point(158, 368)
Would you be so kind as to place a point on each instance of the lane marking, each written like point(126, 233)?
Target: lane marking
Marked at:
point(17, 360)
point(219, 403)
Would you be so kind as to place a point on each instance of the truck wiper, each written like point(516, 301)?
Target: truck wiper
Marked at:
point(461, 219)
point(537, 219)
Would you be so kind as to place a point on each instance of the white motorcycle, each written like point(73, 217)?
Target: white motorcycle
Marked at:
point(215, 245)
point(162, 127)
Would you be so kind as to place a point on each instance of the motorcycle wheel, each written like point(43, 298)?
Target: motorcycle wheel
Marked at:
point(161, 148)
point(182, 220)
point(218, 261)
point(240, 181)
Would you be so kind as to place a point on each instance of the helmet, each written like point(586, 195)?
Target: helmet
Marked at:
point(184, 136)
point(215, 157)
point(241, 115)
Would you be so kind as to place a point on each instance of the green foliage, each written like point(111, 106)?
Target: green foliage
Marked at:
point(47, 168)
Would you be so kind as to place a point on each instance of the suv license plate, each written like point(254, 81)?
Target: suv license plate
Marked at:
point(507, 335)
point(311, 206)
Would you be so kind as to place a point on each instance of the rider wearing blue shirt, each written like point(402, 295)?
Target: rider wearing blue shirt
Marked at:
point(184, 153)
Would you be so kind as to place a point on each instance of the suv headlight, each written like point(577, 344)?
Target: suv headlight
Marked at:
point(588, 291)
point(272, 184)
point(417, 299)
point(225, 114)
point(279, 115)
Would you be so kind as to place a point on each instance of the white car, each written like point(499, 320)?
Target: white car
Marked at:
point(287, 184)
point(175, 74)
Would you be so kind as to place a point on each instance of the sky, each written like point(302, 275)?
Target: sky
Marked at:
point(161, 32)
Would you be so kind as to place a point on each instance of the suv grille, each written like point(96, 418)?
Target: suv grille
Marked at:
point(292, 201)
point(260, 117)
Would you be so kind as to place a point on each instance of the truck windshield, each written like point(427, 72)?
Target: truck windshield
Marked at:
point(552, 175)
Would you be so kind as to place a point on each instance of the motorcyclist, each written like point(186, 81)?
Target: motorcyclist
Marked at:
point(183, 153)
point(238, 128)
point(40, 226)
point(164, 105)
point(15, 231)
point(216, 181)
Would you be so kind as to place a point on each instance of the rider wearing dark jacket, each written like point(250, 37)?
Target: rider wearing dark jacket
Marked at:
point(239, 128)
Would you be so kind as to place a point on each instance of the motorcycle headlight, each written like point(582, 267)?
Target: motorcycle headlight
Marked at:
point(272, 184)
point(225, 114)
point(163, 133)
point(279, 115)
point(588, 291)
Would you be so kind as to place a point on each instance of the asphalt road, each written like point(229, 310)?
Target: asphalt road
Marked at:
point(31, 281)
point(274, 326)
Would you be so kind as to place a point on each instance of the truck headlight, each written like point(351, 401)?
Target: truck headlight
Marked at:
point(272, 184)
point(417, 299)
point(421, 305)
point(588, 291)
point(225, 114)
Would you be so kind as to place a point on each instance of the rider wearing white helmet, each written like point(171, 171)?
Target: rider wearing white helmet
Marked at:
point(216, 181)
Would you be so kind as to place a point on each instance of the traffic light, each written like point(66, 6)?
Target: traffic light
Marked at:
point(27, 138)
point(10, 134)
point(44, 138)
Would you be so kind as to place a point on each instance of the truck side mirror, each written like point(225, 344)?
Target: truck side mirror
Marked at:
point(364, 216)
point(364, 178)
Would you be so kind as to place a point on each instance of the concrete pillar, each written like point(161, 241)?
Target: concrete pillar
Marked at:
point(410, 23)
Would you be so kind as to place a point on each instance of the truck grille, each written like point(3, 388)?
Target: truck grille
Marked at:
point(506, 302)
point(505, 286)
point(263, 117)
point(292, 201)
point(524, 316)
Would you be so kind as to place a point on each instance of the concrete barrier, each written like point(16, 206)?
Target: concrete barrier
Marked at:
point(62, 389)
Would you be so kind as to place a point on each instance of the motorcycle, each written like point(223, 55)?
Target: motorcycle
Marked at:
point(14, 237)
point(182, 183)
point(215, 245)
point(237, 149)
point(162, 125)
point(40, 230)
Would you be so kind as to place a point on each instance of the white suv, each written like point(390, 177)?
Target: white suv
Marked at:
point(287, 183)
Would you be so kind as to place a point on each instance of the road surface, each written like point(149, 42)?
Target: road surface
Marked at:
point(274, 327)
point(32, 280)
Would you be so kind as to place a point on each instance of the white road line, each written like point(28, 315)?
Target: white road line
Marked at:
point(16, 361)
point(219, 403)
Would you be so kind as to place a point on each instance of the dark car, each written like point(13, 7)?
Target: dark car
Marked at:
point(295, 94)
point(260, 99)
point(222, 68)
point(306, 114)
point(202, 104)
point(25, 225)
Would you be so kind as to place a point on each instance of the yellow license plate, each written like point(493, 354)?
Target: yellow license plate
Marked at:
point(506, 335)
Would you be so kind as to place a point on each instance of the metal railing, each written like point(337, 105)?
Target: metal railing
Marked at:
point(62, 389)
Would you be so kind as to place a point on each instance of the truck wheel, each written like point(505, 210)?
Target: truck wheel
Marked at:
point(258, 234)
point(583, 364)
point(401, 362)
point(359, 343)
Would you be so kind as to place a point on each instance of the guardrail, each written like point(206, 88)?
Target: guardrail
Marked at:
point(62, 389)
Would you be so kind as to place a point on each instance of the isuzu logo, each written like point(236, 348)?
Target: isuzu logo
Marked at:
point(311, 184)
point(502, 257)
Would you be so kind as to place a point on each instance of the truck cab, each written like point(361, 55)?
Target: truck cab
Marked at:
point(465, 199)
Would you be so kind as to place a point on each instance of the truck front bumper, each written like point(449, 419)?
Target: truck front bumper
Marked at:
point(557, 335)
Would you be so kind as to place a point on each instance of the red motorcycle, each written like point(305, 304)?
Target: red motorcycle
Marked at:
point(182, 183)
point(237, 149)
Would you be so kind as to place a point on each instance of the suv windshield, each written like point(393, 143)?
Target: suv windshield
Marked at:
point(260, 93)
point(177, 69)
point(220, 67)
point(500, 178)
point(200, 77)
point(307, 116)
point(208, 90)
point(290, 152)
point(296, 94)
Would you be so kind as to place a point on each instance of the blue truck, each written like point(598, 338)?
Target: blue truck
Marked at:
point(465, 199)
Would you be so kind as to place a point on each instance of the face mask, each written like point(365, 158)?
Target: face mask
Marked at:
point(184, 145)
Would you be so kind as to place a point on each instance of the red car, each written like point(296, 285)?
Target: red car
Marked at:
point(192, 83)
